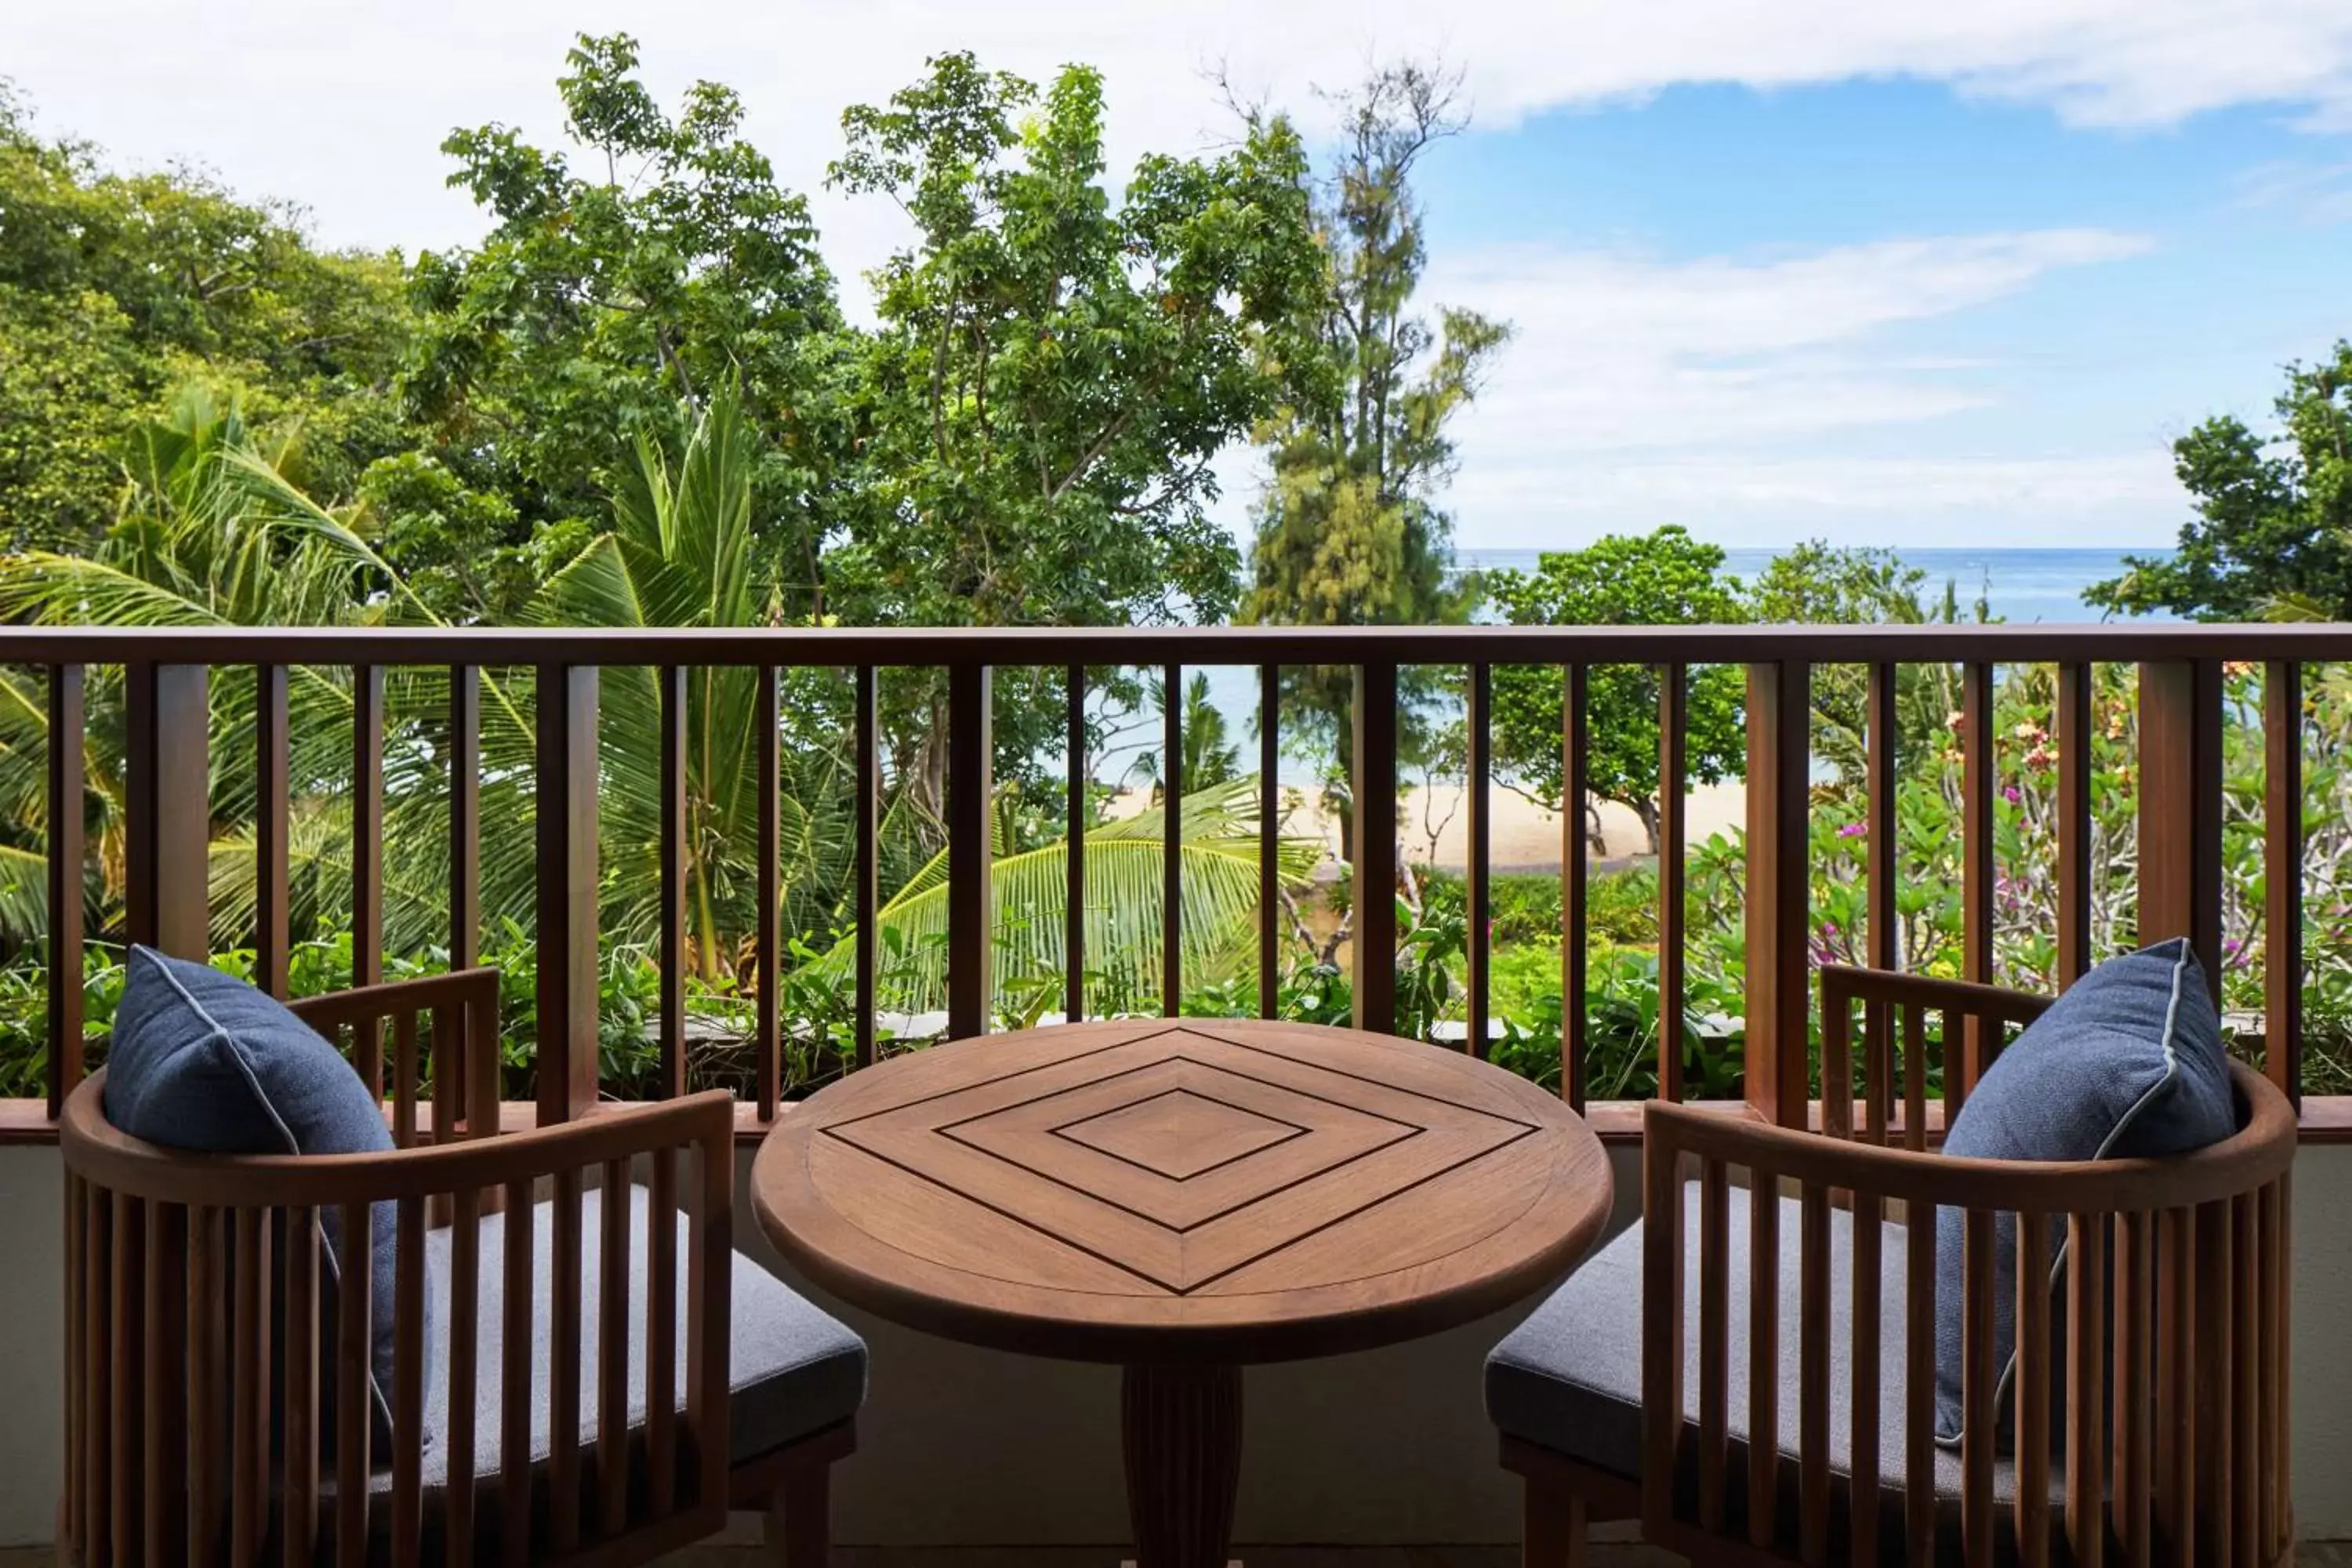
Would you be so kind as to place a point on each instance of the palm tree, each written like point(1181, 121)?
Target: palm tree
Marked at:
point(214, 531)
point(1124, 866)
point(681, 552)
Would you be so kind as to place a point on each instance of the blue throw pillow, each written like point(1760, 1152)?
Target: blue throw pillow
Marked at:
point(2126, 1064)
point(201, 1060)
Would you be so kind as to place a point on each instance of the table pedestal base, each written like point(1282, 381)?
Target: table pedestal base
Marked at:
point(1182, 1430)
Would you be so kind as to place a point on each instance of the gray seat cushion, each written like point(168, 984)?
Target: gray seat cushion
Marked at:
point(1570, 1377)
point(794, 1369)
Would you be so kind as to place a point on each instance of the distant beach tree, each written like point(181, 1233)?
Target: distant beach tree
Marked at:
point(1664, 578)
point(2273, 535)
point(1820, 583)
point(1348, 530)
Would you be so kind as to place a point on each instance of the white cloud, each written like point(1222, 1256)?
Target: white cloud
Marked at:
point(342, 106)
point(1707, 393)
point(1615, 352)
point(2118, 499)
point(1637, 391)
point(2319, 193)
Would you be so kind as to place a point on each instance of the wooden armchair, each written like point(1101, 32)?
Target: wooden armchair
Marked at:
point(2151, 1406)
point(607, 1419)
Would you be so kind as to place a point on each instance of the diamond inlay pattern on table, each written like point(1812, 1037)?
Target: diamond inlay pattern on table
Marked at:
point(1180, 1157)
point(1179, 1134)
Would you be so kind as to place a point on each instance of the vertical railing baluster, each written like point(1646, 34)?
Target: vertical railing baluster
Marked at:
point(1883, 934)
point(566, 809)
point(67, 855)
point(1476, 874)
point(1171, 843)
point(1270, 841)
point(1673, 818)
point(2071, 730)
point(1078, 807)
point(272, 829)
point(1978, 1037)
point(167, 815)
point(673, 680)
point(367, 830)
point(1779, 708)
point(1575, 747)
point(2180, 769)
point(2086, 1339)
point(465, 817)
point(451, 1048)
point(1880, 735)
point(971, 906)
point(2283, 876)
point(1372, 791)
point(865, 895)
point(767, 973)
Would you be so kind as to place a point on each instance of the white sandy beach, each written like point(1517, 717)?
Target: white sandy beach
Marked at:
point(1523, 836)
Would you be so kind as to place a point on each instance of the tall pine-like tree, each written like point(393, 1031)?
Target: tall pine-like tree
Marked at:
point(1348, 529)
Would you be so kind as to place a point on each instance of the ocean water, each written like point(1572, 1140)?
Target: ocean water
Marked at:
point(2023, 586)
point(2017, 585)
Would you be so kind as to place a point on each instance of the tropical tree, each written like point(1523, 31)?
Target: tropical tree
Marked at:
point(1125, 864)
point(1815, 583)
point(619, 288)
point(1207, 758)
point(214, 531)
point(2272, 533)
point(682, 552)
point(116, 287)
point(1052, 373)
point(1665, 578)
point(1348, 529)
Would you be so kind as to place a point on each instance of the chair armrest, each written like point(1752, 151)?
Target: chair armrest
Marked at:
point(464, 1008)
point(1973, 1014)
point(2258, 1152)
point(1849, 983)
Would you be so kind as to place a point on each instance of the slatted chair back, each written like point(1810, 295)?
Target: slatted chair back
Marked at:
point(195, 1358)
point(2165, 1356)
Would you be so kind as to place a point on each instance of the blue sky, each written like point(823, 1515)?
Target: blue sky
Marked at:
point(1895, 273)
point(2008, 316)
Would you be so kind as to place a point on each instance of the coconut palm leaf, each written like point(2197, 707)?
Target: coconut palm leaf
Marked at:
point(1124, 863)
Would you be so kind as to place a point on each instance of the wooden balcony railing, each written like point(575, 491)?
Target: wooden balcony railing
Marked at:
point(167, 816)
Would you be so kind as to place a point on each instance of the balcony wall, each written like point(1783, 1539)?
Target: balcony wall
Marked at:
point(966, 1446)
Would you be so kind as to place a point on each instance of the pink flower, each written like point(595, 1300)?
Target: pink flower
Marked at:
point(2010, 793)
point(1854, 830)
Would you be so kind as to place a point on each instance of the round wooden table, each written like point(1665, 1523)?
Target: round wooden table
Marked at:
point(1182, 1197)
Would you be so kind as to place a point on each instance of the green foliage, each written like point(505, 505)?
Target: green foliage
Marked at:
point(1124, 864)
point(1051, 373)
point(610, 300)
point(114, 289)
point(1348, 530)
point(1665, 578)
point(2272, 534)
point(1816, 584)
point(1208, 760)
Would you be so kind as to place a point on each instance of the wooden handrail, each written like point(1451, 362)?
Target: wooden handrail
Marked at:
point(957, 647)
point(2260, 1151)
point(96, 1151)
